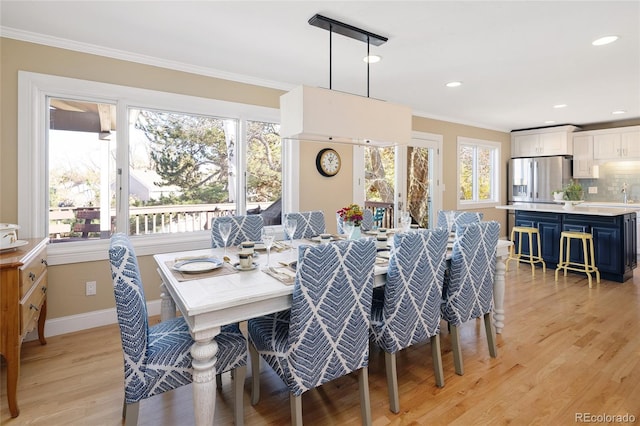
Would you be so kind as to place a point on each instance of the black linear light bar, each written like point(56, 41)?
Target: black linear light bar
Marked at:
point(346, 30)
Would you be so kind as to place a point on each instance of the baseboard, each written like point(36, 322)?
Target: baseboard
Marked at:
point(73, 323)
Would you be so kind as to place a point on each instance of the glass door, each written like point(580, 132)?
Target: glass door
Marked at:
point(419, 176)
point(401, 178)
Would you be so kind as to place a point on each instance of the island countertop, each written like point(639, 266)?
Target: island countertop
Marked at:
point(585, 209)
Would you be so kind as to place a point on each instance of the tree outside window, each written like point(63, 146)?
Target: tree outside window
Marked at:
point(478, 168)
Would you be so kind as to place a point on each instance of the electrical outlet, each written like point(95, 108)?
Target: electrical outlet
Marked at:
point(593, 190)
point(91, 288)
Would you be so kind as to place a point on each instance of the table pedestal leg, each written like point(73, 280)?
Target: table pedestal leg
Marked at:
point(498, 295)
point(204, 352)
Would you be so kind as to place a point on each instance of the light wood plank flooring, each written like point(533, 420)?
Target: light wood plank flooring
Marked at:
point(566, 349)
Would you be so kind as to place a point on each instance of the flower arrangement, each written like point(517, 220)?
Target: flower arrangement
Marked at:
point(351, 213)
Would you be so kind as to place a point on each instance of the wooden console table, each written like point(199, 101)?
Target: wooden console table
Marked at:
point(23, 305)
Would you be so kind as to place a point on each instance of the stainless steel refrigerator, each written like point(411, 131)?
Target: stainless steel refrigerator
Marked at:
point(533, 180)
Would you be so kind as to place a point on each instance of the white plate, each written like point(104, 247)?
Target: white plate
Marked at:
point(15, 244)
point(383, 254)
point(317, 239)
point(198, 265)
point(260, 246)
point(250, 268)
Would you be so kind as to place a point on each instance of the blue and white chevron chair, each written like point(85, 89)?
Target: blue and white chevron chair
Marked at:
point(243, 228)
point(468, 287)
point(408, 310)
point(366, 224)
point(158, 358)
point(460, 218)
point(310, 224)
point(325, 334)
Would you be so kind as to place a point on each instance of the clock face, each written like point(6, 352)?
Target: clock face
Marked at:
point(328, 162)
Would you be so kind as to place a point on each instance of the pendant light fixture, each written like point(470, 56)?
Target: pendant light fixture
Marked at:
point(326, 115)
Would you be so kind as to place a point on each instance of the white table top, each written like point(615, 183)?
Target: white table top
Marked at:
point(238, 296)
point(584, 208)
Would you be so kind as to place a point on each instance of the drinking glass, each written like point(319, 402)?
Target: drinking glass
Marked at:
point(225, 230)
point(267, 239)
point(348, 229)
point(290, 226)
point(405, 221)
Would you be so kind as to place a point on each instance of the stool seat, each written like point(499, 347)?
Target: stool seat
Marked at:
point(530, 258)
point(589, 265)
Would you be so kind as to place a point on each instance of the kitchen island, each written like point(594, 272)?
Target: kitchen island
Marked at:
point(614, 231)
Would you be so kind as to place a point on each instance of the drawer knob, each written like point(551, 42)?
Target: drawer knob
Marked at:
point(44, 289)
point(44, 261)
point(32, 276)
point(34, 307)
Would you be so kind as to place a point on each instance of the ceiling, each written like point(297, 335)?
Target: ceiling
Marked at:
point(516, 59)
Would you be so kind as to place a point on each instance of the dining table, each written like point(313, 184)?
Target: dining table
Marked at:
point(210, 299)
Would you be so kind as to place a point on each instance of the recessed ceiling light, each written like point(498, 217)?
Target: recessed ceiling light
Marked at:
point(604, 40)
point(454, 84)
point(549, 122)
point(372, 59)
point(620, 111)
point(560, 106)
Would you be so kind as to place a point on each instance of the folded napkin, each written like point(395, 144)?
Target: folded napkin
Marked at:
point(281, 273)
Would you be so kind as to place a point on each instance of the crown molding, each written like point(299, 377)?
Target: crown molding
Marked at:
point(92, 49)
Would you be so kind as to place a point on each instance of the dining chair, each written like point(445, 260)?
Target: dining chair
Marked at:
point(459, 218)
point(325, 334)
point(243, 228)
point(310, 224)
point(468, 285)
point(366, 224)
point(158, 358)
point(407, 310)
point(378, 216)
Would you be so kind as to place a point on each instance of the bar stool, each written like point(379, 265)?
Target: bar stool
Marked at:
point(589, 265)
point(530, 258)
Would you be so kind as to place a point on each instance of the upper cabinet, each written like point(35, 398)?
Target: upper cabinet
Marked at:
point(542, 142)
point(583, 163)
point(622, 143)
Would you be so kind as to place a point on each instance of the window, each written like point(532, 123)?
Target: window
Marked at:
point(97, 158)
point(478, 173)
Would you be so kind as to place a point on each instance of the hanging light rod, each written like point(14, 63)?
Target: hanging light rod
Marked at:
point(347, 30)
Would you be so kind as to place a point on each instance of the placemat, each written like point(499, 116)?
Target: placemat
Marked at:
point(225, 269)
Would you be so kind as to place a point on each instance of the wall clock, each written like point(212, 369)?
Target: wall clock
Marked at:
point(328, 162)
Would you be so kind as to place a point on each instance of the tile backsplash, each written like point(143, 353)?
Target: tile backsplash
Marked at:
point(613, 176)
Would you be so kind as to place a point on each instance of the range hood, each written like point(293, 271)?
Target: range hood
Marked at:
point(324, 115)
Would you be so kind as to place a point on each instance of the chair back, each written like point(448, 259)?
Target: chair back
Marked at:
point(330, 312)
point(413, 290)
point(310, 224)
point(468, 288)
point(131, 308)
point(459, 218)
point(243, 228)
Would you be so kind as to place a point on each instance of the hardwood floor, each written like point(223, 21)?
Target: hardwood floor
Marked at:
point(566, 349)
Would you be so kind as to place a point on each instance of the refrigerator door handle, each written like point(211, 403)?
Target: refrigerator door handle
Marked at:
point(535, 180)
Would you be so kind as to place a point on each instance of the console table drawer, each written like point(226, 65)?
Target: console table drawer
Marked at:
point(31, 305)
point(32, 271)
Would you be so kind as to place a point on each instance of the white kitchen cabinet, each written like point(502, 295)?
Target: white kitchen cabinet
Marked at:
point(542, 142)
point(583, 163)
point(622, 143)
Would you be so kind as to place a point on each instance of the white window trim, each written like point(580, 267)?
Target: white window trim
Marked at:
point(495, 190)
point(33, 90)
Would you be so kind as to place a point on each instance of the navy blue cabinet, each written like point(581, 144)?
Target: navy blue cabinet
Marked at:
point(614, 239)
